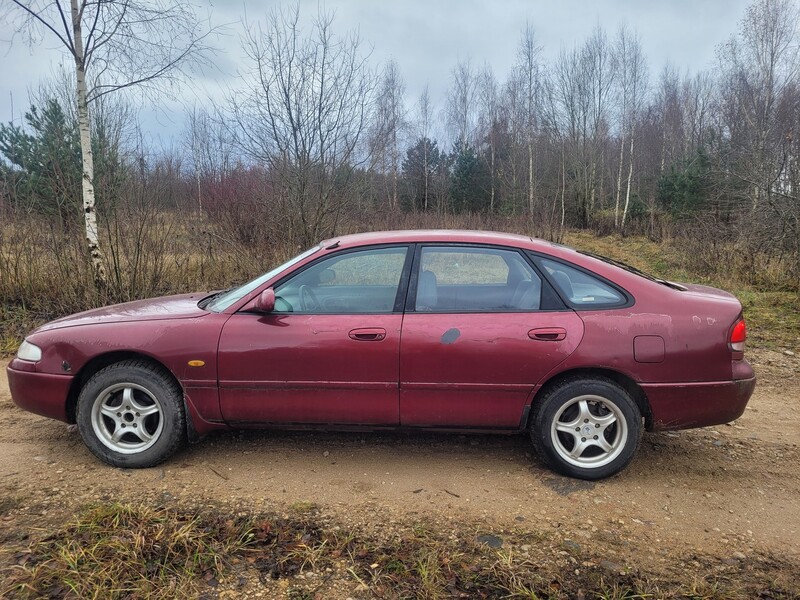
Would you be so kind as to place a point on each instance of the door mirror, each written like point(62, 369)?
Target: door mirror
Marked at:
point(265, 302)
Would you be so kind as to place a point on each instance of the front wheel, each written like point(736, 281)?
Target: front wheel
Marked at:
point(586, 428)
point(130, 414)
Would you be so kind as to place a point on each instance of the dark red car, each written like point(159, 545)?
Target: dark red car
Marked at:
point(447, 330)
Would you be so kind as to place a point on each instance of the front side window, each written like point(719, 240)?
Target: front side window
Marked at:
point(579, 288)
point(361, 282)
point(475, 280)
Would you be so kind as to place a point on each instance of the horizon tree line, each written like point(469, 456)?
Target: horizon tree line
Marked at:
point(314, 132)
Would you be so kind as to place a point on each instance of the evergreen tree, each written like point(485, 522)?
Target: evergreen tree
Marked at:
point(42, 165)
point(421, 166)
point(470, 181)
point(685, 189)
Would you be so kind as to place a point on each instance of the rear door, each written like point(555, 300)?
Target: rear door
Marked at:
point(481, 329)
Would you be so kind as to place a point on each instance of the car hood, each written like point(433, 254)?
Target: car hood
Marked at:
point(183, 306)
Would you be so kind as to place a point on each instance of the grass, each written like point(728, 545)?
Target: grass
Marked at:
point(772, 312)
point(135, 551)
point(773, 316)
point(129, 551)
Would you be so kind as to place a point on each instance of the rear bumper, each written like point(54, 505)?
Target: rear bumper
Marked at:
point(41, 393)
point(687, 405)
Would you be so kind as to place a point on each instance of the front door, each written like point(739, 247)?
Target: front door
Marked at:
point(329, 352)
point(482, 330)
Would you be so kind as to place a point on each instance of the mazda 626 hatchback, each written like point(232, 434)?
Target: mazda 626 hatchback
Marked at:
point(447, 330)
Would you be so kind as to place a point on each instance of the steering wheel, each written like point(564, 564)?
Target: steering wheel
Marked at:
point(308, 299)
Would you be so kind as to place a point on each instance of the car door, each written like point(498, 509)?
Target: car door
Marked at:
point(328, 353)
point(482, 328)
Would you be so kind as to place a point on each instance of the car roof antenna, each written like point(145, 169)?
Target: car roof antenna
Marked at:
point(333, 245)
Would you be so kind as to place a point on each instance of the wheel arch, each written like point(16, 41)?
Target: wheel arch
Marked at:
point(624, 381)
point(102, 361)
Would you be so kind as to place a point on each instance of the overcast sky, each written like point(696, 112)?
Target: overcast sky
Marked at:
point(426, 38)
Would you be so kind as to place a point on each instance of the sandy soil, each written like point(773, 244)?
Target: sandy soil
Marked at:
point(726, 491)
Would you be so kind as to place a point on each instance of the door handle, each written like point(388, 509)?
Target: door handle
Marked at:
point(368, 334)
point(548, 334)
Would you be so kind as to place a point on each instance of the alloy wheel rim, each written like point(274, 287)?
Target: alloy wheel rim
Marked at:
point(589, 431)
point(127, 418)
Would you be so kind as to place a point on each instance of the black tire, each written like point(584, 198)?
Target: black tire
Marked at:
point(137, 402)
point(586, 428)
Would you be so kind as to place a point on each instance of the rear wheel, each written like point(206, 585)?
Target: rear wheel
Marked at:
point(586, 428)
point(130, 414)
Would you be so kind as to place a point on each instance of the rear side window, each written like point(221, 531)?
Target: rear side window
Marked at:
point(579, 288)
point(469, 279)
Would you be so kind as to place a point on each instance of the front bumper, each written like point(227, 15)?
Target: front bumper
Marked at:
point(687, 405)
point(41, 393)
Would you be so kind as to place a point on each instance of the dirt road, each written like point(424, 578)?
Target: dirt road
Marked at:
point(730, 490)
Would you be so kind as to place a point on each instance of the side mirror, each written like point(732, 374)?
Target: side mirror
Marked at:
point(265, 302)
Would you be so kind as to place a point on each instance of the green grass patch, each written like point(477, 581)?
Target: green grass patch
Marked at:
point(773, 317)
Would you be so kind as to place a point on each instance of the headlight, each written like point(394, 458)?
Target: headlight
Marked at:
point(28, 351)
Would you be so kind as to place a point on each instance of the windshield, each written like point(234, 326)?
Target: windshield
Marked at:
point(225, 299)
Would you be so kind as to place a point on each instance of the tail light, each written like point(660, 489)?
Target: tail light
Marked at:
point(738, 336)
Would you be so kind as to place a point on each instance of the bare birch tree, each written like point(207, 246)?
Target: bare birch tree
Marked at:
point(461, 104)
point(761, 64)
point(424, 117)
point(303, 111)
point(488, 125)
point(210, 148)
point(528, 72)
point(599, 71)
point(632, 88)
point(113, 44)
point(390, 127)
point(760, 97)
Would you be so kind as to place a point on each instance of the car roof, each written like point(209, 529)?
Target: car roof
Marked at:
point(439, 235)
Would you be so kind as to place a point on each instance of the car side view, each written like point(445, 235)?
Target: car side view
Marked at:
point(446, 330)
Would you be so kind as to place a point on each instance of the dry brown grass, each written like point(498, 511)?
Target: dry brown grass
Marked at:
point(44, 275)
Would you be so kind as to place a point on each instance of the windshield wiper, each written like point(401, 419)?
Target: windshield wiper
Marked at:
point(208, 299)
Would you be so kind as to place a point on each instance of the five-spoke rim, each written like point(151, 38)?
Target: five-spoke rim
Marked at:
point(127, 418)
point(589, 431)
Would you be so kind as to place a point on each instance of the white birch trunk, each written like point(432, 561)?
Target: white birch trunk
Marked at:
point(530, 176)
point(619, 181)
point(87, 179)
point(563, 191)
point(491, 200)
point(425, 169)
point(628, 190)
point(395, 152)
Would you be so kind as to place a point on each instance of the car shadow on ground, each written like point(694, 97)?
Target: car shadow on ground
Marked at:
point(689, 454)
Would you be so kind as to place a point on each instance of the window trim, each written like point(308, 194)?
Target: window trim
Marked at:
point(411, 296)
point(399, 295)
point(536, 257)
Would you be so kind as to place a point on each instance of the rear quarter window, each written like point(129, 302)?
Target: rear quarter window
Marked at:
point(579, 288)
